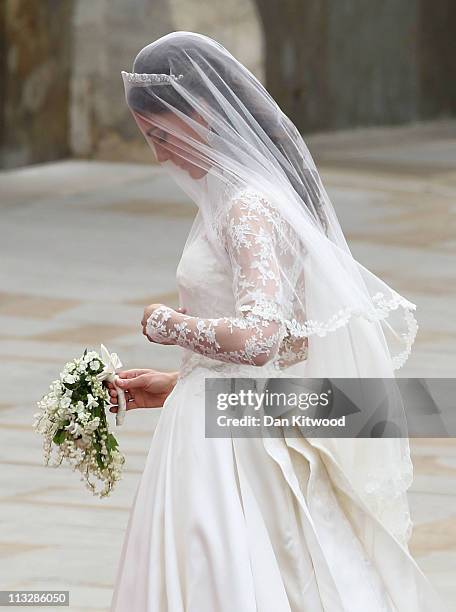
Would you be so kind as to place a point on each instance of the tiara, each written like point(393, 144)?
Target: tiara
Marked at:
point(155, 79)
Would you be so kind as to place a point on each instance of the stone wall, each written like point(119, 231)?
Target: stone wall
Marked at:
point(372, 62)
point(436, 47)
point(35, 71)
point(330, 64)
point(334, 64)
point(107, 36)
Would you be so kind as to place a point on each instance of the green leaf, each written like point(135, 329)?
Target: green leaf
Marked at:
point(60, 436)
point(111, 442)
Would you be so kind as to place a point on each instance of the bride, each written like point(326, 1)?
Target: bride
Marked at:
point(268, 288)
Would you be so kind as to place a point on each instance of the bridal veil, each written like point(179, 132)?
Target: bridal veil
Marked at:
point(196, 104)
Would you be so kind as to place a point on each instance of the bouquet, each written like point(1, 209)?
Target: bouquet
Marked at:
point(73, 420)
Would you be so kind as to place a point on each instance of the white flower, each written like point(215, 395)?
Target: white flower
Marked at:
point(77, 409)
point(91, 401)
point(56, 386)
point(94, 365)
point(74, 428)
point(65, 401)
point(93, 424)
point(69, 378)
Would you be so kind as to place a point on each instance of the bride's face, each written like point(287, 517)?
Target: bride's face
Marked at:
point(169, 147)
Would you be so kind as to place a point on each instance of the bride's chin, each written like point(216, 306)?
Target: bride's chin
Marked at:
point(197, 173)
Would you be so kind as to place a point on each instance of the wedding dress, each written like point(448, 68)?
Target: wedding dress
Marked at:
point(271, 290)
point(248, 524)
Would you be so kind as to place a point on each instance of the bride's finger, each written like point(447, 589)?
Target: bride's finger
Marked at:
point(130, 405)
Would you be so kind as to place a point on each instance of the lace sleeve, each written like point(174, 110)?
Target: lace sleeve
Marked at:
point(254, 334)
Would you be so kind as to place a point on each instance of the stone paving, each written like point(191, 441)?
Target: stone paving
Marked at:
point(86, 245)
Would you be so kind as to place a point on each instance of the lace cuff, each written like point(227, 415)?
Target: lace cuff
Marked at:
point(249, 339)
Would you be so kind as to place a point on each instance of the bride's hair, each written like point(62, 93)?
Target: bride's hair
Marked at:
point(233, 86)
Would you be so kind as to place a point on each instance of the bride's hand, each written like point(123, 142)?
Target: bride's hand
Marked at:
point(148, 311)
point(144, 388)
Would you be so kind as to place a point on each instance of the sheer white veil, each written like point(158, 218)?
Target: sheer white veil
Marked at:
point(217, 130)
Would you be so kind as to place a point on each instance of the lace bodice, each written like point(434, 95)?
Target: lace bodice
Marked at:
point(234, 313)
